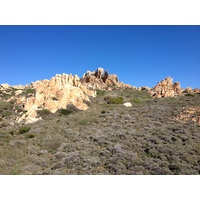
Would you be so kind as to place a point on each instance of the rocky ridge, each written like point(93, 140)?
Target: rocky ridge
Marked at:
point(63, 90)
point(66, 89)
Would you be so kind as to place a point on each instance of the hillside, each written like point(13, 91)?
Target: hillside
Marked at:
point(150, 136)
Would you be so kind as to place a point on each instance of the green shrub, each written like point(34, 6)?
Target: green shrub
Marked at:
point(137, 100)
point(103, 111)
point(189, 95)
point(100, 92)
point(65, 111)
point(24, 129)
point(117, 100)
point(114, 100)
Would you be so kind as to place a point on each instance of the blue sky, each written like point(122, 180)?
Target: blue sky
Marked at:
point(139, 55)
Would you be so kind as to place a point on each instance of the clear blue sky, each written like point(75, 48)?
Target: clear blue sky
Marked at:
point(139, 55)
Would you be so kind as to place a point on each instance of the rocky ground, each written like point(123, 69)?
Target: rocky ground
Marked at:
point(154, 136)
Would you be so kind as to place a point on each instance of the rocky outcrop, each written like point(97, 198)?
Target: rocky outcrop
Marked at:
point(197, 91)
point(54, 94)
point(189, 90)
point(18, 87)
point(101, 79)
point(63, 90)
point(143, 88)
point(189, 114)
point(18, 92)
point(4, 86)
point(166, 88)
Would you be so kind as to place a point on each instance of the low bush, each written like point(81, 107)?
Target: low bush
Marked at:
point(29, 91)
point(137, 100)
point(189, 95)
point(24, 129)
point(100, 92)
point(114, 100)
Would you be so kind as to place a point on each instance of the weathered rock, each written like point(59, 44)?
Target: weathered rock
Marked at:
point(189, 90)
point(99, 73)
point(30, 116)
point(166, 88)
point(189, 114)
point(18, 92)
point(4, 86)
point(128, 105)
point(18, 87)
point(54, 94)
point(197, 90)
point(102, 80)
point(105, 76)
point(112, 80)
point(143, 88)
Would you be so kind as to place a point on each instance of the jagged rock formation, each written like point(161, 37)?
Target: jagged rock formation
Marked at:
point(101, 79)
point(64, 90)
point(166, 88)
point(191, 91)
point(54, 94)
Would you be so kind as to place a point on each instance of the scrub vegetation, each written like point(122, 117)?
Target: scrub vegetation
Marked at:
point(108, 138)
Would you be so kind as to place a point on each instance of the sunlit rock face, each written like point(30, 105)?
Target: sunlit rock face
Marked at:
point(166, 88)
point(54, 94)
point(101, 79)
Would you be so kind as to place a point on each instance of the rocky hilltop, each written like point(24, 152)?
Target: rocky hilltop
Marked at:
point(61, 91)
point(65, 89)
point(101, 79)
